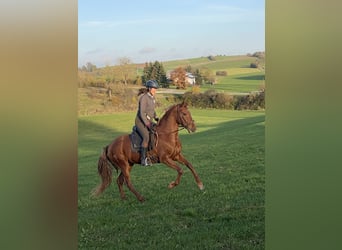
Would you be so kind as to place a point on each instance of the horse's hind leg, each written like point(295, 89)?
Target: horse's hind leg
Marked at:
point(120, 181)
point(125, 172)
point(184, 161)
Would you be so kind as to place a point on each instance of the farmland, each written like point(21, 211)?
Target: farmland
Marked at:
point(241, 79)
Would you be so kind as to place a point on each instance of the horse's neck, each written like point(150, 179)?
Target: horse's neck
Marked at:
point(169, 123)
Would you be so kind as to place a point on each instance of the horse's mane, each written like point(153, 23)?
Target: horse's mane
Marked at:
point(168, 111)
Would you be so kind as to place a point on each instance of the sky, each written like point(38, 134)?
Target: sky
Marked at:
point(148, 31)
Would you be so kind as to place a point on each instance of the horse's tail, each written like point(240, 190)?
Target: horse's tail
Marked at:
point(105, 171)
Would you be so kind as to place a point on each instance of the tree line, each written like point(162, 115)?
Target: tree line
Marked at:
point(128, 73)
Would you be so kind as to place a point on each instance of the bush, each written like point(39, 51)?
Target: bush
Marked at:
point(221, 73)
point(195, 89)
point(212, 99)
point(253, 101)
point(254, 64)
point(224, 101)
point(209, 99)
point(259, 54)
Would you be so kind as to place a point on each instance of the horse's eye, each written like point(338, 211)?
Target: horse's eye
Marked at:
point(184, 114)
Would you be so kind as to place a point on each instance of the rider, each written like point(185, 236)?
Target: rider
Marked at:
point(145, 115)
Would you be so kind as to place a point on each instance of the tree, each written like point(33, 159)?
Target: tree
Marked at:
point(178, 77)
point(155, 71)
point(254, 64)
point(198, 76)
point(147, 72)
point(208, 76)
point(126, 68)
point(89, 67)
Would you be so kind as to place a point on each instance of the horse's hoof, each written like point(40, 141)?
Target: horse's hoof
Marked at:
point(200, 186)
point(141, 199)
point(172, 185)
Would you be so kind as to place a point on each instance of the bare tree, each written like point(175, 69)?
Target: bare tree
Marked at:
point(208, 75)
point(126, 67)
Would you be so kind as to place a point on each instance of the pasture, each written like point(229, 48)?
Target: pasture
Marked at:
point(240, 77)
point(227, 151)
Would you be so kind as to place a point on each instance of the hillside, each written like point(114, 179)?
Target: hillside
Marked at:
point(220, 62)
point(241, 79)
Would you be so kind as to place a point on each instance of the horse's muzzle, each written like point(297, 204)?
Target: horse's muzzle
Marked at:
point(192, 127)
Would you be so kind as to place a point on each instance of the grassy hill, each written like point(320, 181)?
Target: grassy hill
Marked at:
point(241, 77)
point(220, 62)
point(239, 72)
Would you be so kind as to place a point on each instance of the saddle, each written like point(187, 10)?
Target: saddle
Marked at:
point(136, 140)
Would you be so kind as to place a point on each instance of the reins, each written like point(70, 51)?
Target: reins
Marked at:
point(180, 127)
point(157, 134)
point(165, 133)
point(179, 120)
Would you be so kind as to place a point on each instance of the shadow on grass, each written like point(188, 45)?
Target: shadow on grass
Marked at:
point(92, 137)
point(253, 77)
point(94, 132)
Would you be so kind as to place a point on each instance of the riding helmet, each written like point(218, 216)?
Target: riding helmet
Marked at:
point(152, 84)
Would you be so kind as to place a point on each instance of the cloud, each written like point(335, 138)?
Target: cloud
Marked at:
point(95, 51)
point(147, 50)
point(116, 23)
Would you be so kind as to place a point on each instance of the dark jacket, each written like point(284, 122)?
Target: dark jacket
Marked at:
point(146, 110)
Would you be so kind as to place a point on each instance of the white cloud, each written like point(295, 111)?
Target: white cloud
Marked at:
point(147, 50)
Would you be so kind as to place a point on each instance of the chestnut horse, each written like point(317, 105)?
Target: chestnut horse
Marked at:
point(167, 150)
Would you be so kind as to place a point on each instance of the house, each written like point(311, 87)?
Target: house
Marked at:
point(189, 77)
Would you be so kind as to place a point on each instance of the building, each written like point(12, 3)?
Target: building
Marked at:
point(189, 77)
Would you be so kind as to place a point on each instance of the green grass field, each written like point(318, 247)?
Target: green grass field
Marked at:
point(239, 83)
point(220, 62)
point(227, 151)
point(241, 78)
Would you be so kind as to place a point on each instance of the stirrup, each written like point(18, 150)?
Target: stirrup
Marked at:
point(146, 162)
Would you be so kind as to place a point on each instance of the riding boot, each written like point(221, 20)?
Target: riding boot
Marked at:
point(143, 158)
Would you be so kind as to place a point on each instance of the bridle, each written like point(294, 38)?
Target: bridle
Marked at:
point(180, 121)
point(181, 125)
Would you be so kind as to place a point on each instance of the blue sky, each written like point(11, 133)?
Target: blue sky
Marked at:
point(148, 31)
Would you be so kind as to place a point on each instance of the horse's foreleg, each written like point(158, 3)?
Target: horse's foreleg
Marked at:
point(120, 181)
point(173, 165)
point(184, 161)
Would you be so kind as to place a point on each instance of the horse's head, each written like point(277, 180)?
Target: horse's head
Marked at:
point(184, 117)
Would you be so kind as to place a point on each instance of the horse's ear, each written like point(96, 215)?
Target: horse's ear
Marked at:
point(184, 104)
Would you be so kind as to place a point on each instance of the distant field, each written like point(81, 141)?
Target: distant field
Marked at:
point(239, 83)
point(220, 62)
point(228, 153)
point(241, 79)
